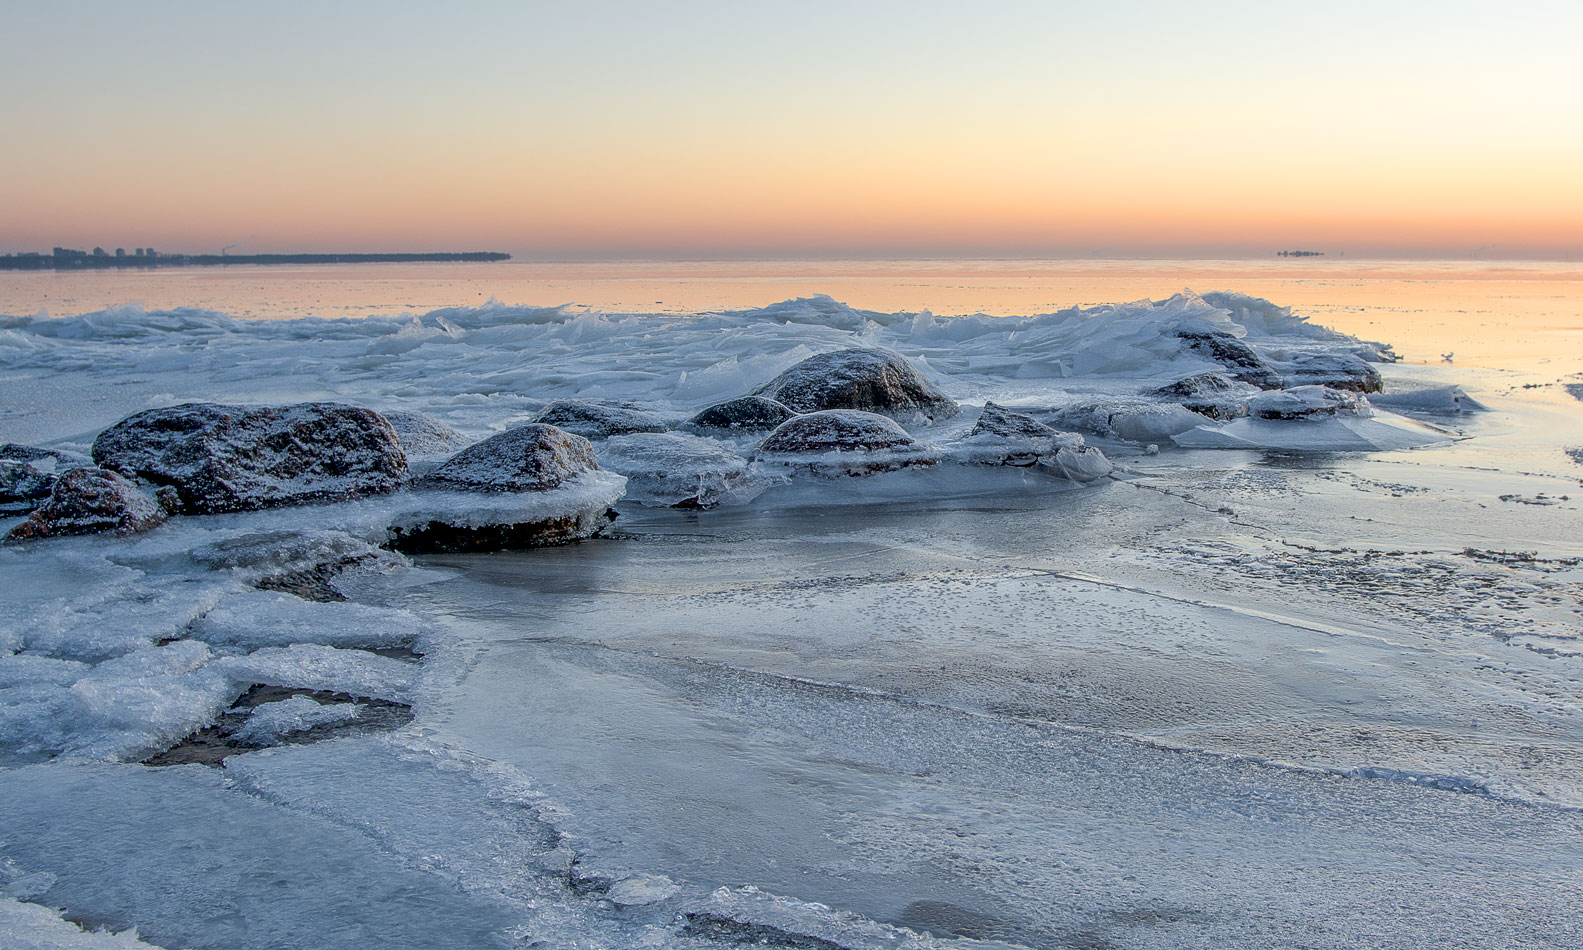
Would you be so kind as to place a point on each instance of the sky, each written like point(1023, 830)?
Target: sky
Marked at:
point(609, 129)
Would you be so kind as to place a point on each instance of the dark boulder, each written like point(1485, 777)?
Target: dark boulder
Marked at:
point(239, 458)
point(532, 457)
point(90, 501)
point(871, 380)
point(27, 474)
point(997, 420)
point(845, 441)
point(1004, 437)
point(593, 420)
point(1239, 359)
point(745, 414)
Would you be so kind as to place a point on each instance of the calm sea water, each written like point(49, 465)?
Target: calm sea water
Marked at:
point(1509, 314)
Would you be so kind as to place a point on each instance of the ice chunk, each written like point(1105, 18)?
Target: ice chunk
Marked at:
point(311, 666)
point(259, 619)
point(270, 722)
point(673, 468)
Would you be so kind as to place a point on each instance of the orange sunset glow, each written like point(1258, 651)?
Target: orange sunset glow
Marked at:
point(619, 129)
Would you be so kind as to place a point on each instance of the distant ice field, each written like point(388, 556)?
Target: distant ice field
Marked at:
point(1227, 697)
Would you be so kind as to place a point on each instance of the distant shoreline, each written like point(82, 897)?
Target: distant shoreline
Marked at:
point(98, 259)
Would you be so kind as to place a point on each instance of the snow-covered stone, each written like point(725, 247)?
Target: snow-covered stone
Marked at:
point(236, 458)
point(597, 421)
point(844, 442)
point(673, 468)
point(532, 457)
point(27, 474)
point(744, 414)
point(90, 501)
point(1308, 402)
point(863, 378)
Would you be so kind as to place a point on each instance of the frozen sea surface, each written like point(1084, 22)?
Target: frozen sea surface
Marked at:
point(1225, 698)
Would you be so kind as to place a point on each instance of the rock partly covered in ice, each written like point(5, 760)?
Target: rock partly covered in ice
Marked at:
point(27, 474)
point(1336, 370)
point(597, 421)
point(90, 501)
point(532, 457)
point(744, 414)
point(1131, 421)
point(1307, 402)
point(869, 379)
point(1241, 361)
point(673, 468)
point(422, 435)
point(1004, 437)
point(1215, 395)
point(236, 458)
point(526, 487)
point(845, 441)
point(1079, 464)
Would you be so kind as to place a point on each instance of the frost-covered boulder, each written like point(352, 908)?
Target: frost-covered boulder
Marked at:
point(1308, 402)
point(744, 414)
point(844, 442)
point(530, 486)
point(27, 474)
point(90, 501)
point(863, 378)
point(673, 468)
point(1215, 395)
point(1241, 361)
point(1336, 370)
point(422, 435)
point(1003, 437)
point(237, 458)
point(532, 457)
point(597, 421)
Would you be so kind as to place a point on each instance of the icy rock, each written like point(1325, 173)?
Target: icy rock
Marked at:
point(745, 414)
point(1307, 402)
point(1440, 399)
point(429, 522)
point(1003, 437)
point(1239, 359)
point(271, 552)
point(1336, 370)
point(672, 468)
point(1134, 422)
point(422, 435)
point(271, 722)
point(27, 474)
point(1215, 395)
point(90, 501)
point(869, 379)
point(846, 442)
point(237, 458)
point(532, 457)
point(595, 421)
